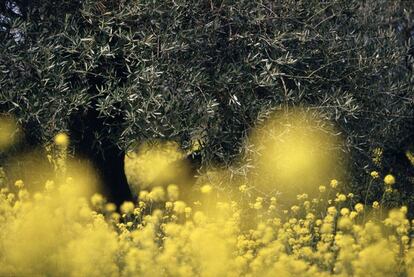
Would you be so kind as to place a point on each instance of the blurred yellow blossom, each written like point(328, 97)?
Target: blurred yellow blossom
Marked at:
point(253, 234)
point(206, 189)
point(110, 207)
point(179, 207)
point(389, 180)
point(127, 207)
point(243, 188)
point(374, 174)
point(173, 192)
point(61, 139)
point(340, 198)
point(359, 207)
point(295, 208)
point(157, 194)
point(97, 200)
point(19, 184)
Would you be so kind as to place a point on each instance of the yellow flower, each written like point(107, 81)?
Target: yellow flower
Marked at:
point(302, 196)
point(295, 208)
point(19, 184)
point(359, 208)
point(374, 174)
point(127, 207)
point(345, 223)
point(332, 210)
point(344, 211)
point(157, 194)
point(334, 183)
point(144, 195)
point(257, 205)
point(243, 188)
point(169, 205)
point(97, 200)
point(389, 180)
point(61, 139)
point(206, 189)
point(340, 198)
point(179, 207)
point(188, 211)
point(322, 189)
point(110, 207)
point(375, 204)
point(173, 192)
point(353, 214)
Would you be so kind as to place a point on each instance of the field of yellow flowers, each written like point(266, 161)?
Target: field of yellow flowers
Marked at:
point(58, 231)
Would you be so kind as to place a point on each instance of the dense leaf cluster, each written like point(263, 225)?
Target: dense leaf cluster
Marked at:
point(209, 70)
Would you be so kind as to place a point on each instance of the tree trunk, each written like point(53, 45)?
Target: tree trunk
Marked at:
point(105, 156)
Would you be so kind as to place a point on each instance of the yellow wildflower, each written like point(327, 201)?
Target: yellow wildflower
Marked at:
point(353, 214)
point(157, 194)
point(173, 192)
point(334, 183)
point(206, 189)
point(340, 198)
point(143, 195)
point(345, 223)
point(374, 174)
point(61, 139)
point(295, 208)
point(187, 211)
point(243, 188)
point(389, 180)
point(110, 207)
point(169, 205)
point(97, 200)
point(332, 210)
point(179, 207)
point(359, 207)
point(19, 184)
point(344, 211)
point(257, 205)
point(127, 207)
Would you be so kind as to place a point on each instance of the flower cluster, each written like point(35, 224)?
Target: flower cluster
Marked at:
point(56, 232)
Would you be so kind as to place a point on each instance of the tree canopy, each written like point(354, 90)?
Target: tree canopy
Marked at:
point(208, 70)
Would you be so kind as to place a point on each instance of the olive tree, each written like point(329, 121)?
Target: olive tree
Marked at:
point(112, 72)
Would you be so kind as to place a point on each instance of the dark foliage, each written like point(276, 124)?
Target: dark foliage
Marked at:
point(112, 72)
